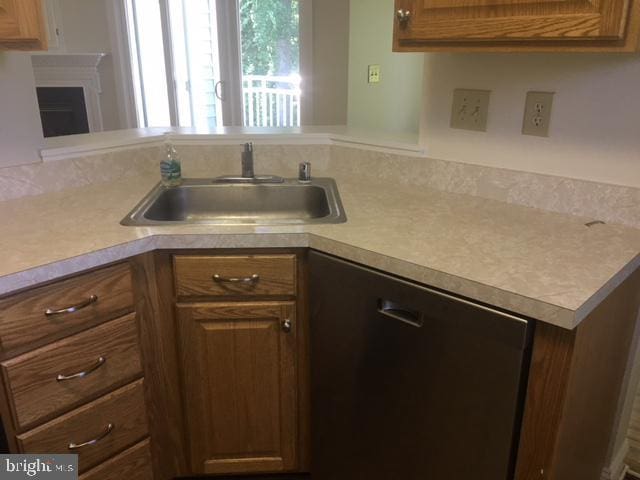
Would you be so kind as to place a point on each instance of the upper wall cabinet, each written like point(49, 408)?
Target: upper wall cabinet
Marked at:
point(22, 25)
point(517, 25)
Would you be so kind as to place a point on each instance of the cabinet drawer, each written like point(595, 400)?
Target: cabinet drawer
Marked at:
point(23, 320)
point(236, 275)
point(108, 353)
point(132, 464)
point(106, 426)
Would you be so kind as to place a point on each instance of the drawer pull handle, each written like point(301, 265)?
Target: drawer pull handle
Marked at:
point(397, 312)
point(74, 308)
point(252, 279)
point(109, 428)
point(101, 361)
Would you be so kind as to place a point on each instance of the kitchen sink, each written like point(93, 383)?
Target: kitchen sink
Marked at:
point(200, 201)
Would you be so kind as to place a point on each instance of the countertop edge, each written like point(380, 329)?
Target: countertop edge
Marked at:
point(487, 294)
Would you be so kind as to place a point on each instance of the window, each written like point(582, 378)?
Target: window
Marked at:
point(208, 63)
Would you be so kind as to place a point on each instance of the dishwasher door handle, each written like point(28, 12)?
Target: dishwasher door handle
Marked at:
point(397, 312)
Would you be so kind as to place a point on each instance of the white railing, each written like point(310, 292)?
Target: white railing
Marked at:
point(271, 101)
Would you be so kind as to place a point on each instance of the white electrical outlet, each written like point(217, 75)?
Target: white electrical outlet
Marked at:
point(537, 114)
point(470, 109)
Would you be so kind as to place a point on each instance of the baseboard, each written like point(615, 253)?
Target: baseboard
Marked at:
point(617, 470)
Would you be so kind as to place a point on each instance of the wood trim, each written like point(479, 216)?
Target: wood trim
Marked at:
point(574, 387)
point(548, 374)
point(303, 364)
point(602, 349)
point(154, 298)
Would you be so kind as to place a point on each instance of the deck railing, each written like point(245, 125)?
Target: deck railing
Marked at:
point(271, 101)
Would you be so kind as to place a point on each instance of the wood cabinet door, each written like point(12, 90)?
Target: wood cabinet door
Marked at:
point(22, 24)
point(240, 385)
point(537, 21)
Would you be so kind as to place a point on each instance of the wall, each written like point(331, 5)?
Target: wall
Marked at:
point(595, 128)
point(594, 134)
point(393, 105)
point(330, 62)
point(86, 31)
point(20, 128)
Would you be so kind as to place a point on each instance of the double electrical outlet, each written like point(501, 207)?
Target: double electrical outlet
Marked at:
point(470, 111)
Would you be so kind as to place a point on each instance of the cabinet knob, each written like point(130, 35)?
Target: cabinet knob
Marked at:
point(403, 17)
point(286, 326)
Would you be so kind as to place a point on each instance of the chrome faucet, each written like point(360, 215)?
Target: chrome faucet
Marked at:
point(248, 174)
point(247, 161)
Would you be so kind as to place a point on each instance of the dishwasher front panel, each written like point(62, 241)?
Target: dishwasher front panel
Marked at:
point(408, 383)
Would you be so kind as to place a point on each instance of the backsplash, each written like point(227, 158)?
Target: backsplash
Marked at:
point(610, 203)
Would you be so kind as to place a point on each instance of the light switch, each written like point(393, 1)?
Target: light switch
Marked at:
point(374, 73)
point(470, 109)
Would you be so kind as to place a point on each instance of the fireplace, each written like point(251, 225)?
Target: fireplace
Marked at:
point(68, 88)
point(63, 111)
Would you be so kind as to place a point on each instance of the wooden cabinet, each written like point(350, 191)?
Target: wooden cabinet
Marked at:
point(239, 346)
point(22, 25)
point(71, 371)
point(235, 275)
point(517, 25)
point(240, 384)
point(132, 464)
point(222, 371)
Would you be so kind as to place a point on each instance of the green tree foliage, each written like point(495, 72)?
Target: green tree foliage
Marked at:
point(270, 32)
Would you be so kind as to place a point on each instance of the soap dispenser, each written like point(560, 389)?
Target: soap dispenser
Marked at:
point(170, 168)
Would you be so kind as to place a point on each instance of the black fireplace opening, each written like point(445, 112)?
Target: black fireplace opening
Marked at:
point(63, 111)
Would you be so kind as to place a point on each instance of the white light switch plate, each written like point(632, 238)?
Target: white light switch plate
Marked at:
point(470, 109)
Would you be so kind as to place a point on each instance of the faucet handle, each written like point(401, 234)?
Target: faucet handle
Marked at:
point(248, 147)
point(304, 172)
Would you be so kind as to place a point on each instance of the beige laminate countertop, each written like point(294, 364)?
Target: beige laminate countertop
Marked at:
point(539, 264)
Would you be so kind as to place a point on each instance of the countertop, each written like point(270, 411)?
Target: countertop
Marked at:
point(531, 262)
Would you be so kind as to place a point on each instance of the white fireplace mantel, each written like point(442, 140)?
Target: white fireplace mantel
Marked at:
point(73, 70)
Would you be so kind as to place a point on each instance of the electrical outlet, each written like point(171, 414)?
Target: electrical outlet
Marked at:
point(374, 73)
point(537, 114)
point(470, 109)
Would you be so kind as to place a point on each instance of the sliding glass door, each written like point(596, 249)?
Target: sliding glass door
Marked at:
point(209, 63)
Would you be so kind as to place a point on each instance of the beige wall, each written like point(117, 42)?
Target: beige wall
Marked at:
point(20, 128)
point(86, 31)
point(330, 61)
point(595, 126)
point(393, 105)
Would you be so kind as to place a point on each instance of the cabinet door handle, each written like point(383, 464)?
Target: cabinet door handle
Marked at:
point(403, 17)
point(286, 326)
point(252, 279)
point(75, 446)
point(397, 312)
point(101, 361)
point(74, 308)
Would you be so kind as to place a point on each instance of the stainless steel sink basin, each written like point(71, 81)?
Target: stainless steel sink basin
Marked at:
point(201, 201)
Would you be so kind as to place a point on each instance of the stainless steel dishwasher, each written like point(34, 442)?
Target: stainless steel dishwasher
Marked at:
point(408, 383)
